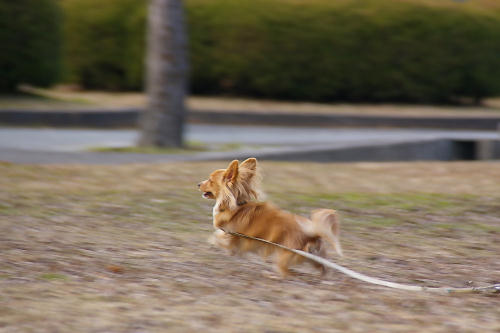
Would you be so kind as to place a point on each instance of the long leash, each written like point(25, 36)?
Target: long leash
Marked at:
point(369, 279)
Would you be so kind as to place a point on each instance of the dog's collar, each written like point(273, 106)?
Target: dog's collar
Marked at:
point(240, 203)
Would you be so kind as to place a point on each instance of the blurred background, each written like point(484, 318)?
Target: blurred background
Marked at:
point(348, 58)
point(418, 51)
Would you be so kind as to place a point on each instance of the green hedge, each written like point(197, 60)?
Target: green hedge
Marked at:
point(104, 43)
point(30, 39)
point(321, 50)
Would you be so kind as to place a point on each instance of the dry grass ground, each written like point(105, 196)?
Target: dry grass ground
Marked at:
point(123, 249)
point(64, 99)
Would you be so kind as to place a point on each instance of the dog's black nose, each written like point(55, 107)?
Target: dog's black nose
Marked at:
point(199, 184)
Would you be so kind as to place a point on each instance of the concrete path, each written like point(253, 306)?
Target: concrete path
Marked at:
point(44, 145)
point(74, 140)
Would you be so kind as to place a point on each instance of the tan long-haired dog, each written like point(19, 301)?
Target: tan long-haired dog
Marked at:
point(238, 208)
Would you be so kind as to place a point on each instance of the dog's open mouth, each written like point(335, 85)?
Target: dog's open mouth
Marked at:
point(208, 195)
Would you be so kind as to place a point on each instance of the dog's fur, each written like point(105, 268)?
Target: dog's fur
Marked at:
point(238, 208)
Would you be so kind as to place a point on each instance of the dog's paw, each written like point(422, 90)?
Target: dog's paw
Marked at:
point(272, 275)
point(220, 239)
point(211, 240)
point(216, 237)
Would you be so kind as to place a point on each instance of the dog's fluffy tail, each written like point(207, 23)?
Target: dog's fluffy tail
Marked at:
point(326, 224)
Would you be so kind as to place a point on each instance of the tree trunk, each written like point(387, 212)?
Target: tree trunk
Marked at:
point(166, 75)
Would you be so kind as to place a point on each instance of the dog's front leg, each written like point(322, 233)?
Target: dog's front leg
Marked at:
point(221, 219)
point(221, 239)
point(218, 223)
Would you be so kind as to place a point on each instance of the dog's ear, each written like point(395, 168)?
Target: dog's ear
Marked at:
point(231, 172)
point(249, 164)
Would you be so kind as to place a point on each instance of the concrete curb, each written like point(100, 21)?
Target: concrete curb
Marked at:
point(78, 118)
point(129, 117)
point(342, 120)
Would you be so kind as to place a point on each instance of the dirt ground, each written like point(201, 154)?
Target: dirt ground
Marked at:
point(124, 249)
point(63, 98)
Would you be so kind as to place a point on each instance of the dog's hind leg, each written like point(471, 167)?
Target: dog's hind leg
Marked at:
point(321, 268)
point(318, 249)
point(283, 262)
